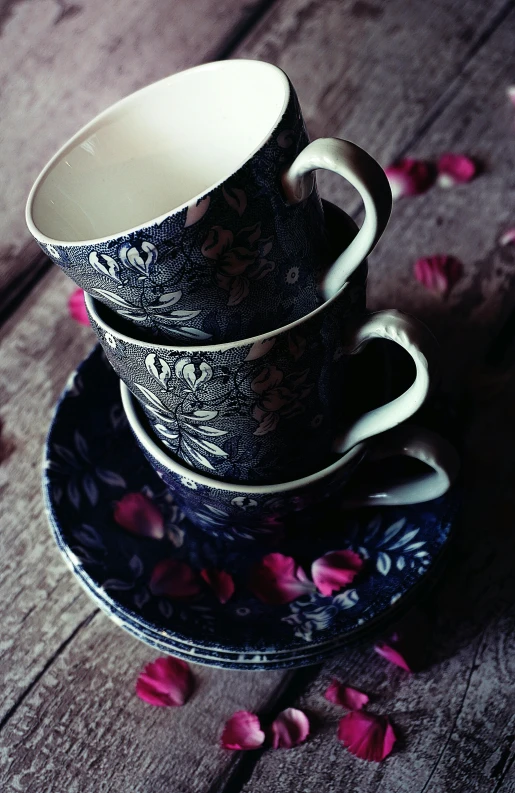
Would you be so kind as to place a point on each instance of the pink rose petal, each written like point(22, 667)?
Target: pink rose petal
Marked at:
point(511, 93)
point(77, 307)
point(438, 273)
point(392, 655)
point(290, 728)
point(508, 238)
point(136, 513)
point(174, 579)
point(167, 682)
point(335, 570)
point(345, 696)
point(278, 579)
point(409, 177)
point(242, 731)
point(367, 736)
point(220, 582)
point(455, 169)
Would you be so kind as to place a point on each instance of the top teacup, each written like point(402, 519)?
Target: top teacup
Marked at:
point(190, 206)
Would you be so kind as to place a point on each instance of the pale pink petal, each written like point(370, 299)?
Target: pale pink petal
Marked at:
point(335, 570)
point(290, 728)
point(392, 655)
point(511, 93)
point(438, 273)
point(174, 579)
point(410, 177)
point(77, 307)
point(455, 169)
point(136, 513)
point(166, 681)
point(345, 696)
point(278, 579)
point(220, 582)
point(508, 238)
point(367, 736)
point(242, 731)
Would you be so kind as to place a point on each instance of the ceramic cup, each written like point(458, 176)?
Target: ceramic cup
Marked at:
point(250, 512)
point(190, 207)
point(269, 408)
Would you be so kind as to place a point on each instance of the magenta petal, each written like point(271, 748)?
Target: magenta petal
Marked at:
point(335, 570)
point(242, 731)
point(220, 582)
point(290, 728)
point(392, 655)
point(278, 579)
point(174, 579)
point(167, 682)
point(409, 177)
point(345, 696)
point(136, 513)
point(367, 736)
point(455, 169)
point(508, 238)
point(438, 273)
point(77, 307)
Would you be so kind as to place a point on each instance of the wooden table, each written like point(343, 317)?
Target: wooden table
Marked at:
point(400, 78)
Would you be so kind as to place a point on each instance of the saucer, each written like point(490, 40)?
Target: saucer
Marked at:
point(92, 460)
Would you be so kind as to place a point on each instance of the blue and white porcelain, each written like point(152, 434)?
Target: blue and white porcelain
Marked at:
point(190, 208)
point(92, 460)
point(270, 408)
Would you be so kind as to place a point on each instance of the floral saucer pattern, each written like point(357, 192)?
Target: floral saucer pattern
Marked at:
point(92, 460)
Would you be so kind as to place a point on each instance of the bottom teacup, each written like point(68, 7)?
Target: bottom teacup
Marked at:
point(251, 511)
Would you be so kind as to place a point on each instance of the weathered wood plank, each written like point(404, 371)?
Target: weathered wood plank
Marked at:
point(64, 62)
point(84, 729)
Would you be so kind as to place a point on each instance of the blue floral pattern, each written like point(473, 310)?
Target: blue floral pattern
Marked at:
point(92, 460)
point(239, 261)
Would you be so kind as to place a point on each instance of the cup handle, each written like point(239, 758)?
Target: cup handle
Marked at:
point(369, 179)
point(415, 442)
point(417, 340)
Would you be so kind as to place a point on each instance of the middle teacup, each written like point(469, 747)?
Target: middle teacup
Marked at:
point(266, 409)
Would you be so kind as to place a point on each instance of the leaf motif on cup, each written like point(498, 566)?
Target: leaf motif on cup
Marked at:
point(260, 348)
point(285, 138)
point(158, 368)
point(132, 256)
point(193, 371)
point(236, 199)
point(105, 265)
point(239, 290)
point(197, 211)
point(296, 344)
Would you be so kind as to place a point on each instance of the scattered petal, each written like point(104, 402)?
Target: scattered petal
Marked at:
point(77, 307)
point(345, 696)
point(511, 93)
point(290, 728)
point(455, 169)
point(438, 273)
point(408, 643)
point(366, 735)
point(242, 731)
point(335, 570)
point(166, 682)
point(508, 238)
point(174, 579)
point(278, 579)
point(136, 513)
point(410, 177)
point(392, 655)
point(220, 582)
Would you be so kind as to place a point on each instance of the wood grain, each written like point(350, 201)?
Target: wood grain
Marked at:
point(62, 63)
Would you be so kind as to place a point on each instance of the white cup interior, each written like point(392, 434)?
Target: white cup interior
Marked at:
point(157, 150)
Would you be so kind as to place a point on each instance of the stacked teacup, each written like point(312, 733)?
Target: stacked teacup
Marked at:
point(229, 299)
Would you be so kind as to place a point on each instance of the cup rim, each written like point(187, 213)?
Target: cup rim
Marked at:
point(89, 128)
point(129, 403)
point(205, 348)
